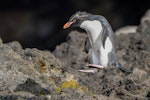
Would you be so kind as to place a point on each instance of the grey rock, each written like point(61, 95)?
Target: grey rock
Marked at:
point(1, 41)
point(11, 64)
point(35, 74)
point(16, 46)
point(73, 51)
point(146, 17)
point(126, 30)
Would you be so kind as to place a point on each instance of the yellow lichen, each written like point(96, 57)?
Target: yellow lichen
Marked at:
point(58, 89)
point(70, 84)
point(83, 89)
point(43, 66)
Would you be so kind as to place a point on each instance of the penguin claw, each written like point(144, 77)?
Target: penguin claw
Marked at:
point(92, 70)
point(89, 71)
point(97, 66)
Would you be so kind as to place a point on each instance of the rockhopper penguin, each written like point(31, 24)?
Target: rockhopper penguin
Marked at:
point(101, 39)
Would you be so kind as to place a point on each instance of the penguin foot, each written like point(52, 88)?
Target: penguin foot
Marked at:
point(94, 70)
point(97, 66)
point(89, 71)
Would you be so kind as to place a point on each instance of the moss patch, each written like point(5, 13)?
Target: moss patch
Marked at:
point(71, 84)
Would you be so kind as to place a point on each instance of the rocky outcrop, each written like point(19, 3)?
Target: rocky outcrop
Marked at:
point(35, 74)
point(133, 52)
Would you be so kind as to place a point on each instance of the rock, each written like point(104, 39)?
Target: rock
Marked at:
point(146, 17)
point(16, 46)
point(1, 41)
point(73, 51)
point(31, 86)
point(126, 30)
point(36, 74)
point(144, 30)
point(17, 69)
point(16, 95)
point(139, 75)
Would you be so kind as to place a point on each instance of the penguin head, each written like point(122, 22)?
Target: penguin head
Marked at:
point(76, 19)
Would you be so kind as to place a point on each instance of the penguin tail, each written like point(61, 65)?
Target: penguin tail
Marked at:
point(122, 68)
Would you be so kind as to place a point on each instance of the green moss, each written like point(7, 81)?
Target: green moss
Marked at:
point(42, 92)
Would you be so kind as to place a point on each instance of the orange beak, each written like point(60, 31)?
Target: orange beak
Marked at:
point(67, 25)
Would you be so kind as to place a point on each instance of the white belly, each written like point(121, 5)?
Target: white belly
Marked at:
point(94, 29)
point(104, 52)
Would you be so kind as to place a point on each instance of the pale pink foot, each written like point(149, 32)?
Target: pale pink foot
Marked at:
point(92, 70)
point(89, 70)
point(97, 66)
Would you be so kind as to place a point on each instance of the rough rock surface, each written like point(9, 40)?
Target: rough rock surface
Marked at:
point(133, 52)
point(36, 75)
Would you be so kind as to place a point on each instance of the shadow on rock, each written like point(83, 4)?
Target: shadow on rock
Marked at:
point(31, 86)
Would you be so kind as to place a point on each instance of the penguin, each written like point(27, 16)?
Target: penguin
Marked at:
point(101, 38)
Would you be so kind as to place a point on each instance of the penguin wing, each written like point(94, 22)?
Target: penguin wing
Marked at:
point(107, 30)
point(104, 36)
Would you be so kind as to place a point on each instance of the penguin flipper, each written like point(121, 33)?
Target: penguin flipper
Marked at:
point(104, 36)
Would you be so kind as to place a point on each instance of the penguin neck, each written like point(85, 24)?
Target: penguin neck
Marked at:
point(93, 29)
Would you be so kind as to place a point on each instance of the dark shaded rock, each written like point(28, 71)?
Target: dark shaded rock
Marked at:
point(73, 51)
point(31, 86)
point(146, 17)
point(1, 41)
point(148, 94)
